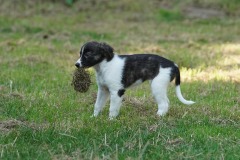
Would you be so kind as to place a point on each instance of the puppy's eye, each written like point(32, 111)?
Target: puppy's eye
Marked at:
point(87, 54)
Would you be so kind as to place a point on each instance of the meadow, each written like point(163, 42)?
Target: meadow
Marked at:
point(42, 117)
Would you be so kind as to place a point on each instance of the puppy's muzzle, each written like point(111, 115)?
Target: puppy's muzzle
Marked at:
point(78, 63)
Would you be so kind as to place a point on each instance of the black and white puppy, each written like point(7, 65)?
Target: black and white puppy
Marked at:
point(115, 73)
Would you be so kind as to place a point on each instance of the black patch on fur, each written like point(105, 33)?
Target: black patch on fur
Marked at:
point(106, 50)
point(175, 74)
point(143, 67)
point(94, 52)
point(121, 92)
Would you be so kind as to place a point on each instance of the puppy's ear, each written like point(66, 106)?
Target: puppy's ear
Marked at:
point(106, 50)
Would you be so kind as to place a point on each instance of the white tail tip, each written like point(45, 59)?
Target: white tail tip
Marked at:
point(180, 97)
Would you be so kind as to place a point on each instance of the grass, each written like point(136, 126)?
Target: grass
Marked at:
point(42, 117)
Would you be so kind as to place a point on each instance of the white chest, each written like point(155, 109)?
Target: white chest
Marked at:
point(109, 74)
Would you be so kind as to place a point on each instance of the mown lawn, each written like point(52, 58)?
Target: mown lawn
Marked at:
point(42, 117)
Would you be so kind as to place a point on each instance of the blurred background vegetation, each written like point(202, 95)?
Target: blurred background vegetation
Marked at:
point(139, 26)
point(212, 7)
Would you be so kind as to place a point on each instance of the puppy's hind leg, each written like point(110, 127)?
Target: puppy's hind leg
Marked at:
point(102, 97)
point(160, 95)
point(159, 87)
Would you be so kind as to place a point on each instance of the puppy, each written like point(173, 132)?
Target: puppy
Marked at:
point(115, 73)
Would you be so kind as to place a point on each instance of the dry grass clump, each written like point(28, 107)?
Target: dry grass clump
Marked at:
point(81, 80)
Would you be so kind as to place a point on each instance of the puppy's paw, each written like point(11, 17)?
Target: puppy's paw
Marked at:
point(112, 118)
point(95, 113)
point(93, 116)
point(161, 113)
point(113, 115)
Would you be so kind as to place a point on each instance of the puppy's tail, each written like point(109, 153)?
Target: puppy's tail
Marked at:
point(178, 89)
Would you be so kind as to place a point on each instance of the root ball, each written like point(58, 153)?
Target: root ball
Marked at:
point(81, 80)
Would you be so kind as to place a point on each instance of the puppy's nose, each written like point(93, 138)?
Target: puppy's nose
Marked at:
point(77, 65)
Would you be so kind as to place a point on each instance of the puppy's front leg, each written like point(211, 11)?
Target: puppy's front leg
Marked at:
point(115, 104)
point(102, 97)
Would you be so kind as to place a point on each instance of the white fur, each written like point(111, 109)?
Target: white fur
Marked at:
point(79, 61)
point(102, 97)
point(109, 75)
point(159, 89)
point(180, 97)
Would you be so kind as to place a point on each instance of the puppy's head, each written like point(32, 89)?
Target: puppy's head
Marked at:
point(92, 53)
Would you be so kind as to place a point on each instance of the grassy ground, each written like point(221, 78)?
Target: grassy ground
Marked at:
point(42, 117)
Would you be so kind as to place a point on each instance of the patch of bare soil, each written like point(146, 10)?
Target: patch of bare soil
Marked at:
point(195, 10)
point(8, 125)
point(12, 124)
point(12, 95)
point(203, 13)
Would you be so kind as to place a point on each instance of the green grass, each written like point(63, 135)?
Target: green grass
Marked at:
point(42, 117)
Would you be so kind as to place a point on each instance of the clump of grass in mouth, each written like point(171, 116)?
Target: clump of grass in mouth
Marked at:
point(81, 80)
